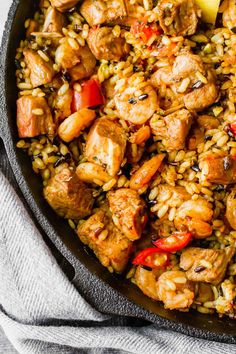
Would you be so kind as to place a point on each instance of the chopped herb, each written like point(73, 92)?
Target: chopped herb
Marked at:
point(199, 269)
point(95, 158)
point(226, 163)
point(197, 85)
point(132, 100)
point(143, 97)
point(196, 168)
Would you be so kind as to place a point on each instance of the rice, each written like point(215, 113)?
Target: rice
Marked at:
point(180, 170)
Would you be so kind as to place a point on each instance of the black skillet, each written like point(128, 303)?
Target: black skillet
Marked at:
point(106, 292)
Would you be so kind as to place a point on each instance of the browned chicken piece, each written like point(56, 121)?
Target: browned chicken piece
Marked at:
point(162, 76)
point(105, 45)
point(97, 12)
point(186, 65)
point(86, 66)
point(229, 15)
point(218, 169)
point(106, 145)
point(54, 21)
point(41, 72)
point(128, 212)
point(66, 56)
point(146, 280)
point(63, 105)
point(110, 246)
point(137, 110)
point(175, 131)
point(34, 117)
point(201, 98)
point(173, 196)
point(67, 195)
point(231, 209)
point(175, 290)
point(64, 5)
point(206, 265)
point(33, 27)
point(208, 122)
point(178, 17)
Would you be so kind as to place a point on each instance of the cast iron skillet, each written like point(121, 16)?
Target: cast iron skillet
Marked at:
point(108, 293)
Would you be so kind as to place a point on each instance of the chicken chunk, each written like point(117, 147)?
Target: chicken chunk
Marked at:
point(67, 195)
point(86, 66)
point(106, 145)
point(229, 15)
point(34, 117)
point(105, 45)
point(146, 280)
point(218, 169)
point(206, 265)
point(110, 246)
point(66, 56)
point(162, 76)
point(64, 5)
point(128, 212)
point(175, 131)
point(41, 72)
point(175, 290)
point(54, 21)
point(186, 65)
point(178, 17)
point(97, 12)
point(231, 209)
point(137, 110)
point(202, 97)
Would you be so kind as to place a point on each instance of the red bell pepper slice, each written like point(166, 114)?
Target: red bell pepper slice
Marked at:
point(148, 258)
point(175, 242)
point(233, 128)
point(90, 96)
point(144, 31)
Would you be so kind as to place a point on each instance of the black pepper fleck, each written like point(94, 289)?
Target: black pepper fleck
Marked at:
point(199, 269)
point(132, 100)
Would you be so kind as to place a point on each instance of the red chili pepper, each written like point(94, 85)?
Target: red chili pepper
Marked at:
point(144, 30)
point(175, 242)
point(90, 96)
point(233, 128)
point(148, 258)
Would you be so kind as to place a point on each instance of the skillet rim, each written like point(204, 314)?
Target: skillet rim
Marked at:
point(127, 306)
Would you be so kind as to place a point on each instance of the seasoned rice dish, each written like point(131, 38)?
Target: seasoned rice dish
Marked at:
point(127, 111)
